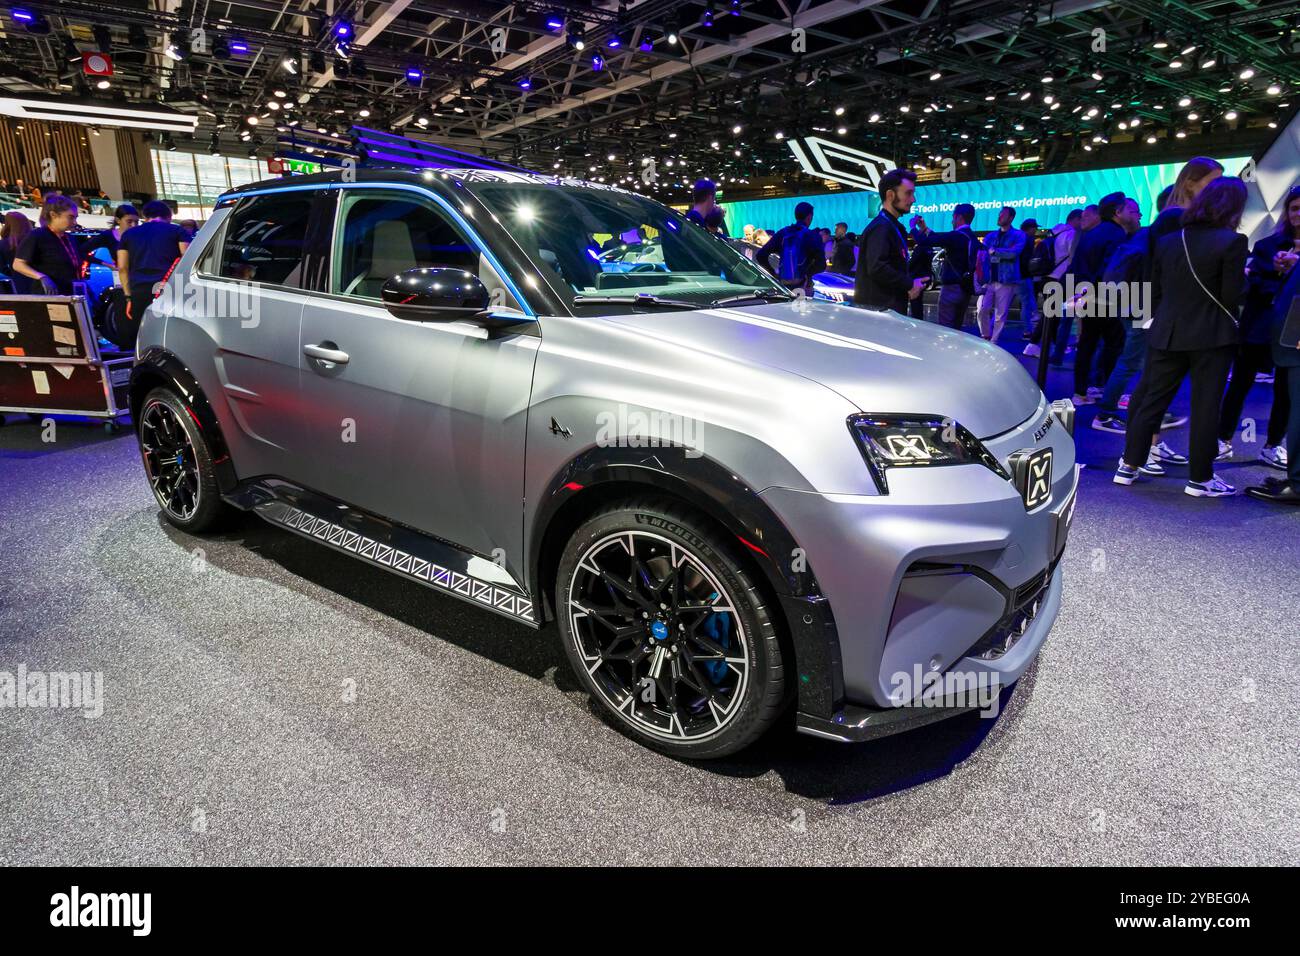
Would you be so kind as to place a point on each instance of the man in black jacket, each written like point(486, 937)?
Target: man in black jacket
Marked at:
point(1287, 359)
point(799, 248)
point(842, 257)
point(883, 280)
point(960, 247)
point(1119, 218)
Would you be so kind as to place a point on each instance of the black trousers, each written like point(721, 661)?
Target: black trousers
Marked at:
point(1161, 379)
point(1108, 332)
point(1291, 386)
point(1250, 361)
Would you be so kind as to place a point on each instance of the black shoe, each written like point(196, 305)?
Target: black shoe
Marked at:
point(1282, 494)
point(1110, 423)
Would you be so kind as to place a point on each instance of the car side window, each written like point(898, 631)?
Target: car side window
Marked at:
point(264, 238)
point(383, 234)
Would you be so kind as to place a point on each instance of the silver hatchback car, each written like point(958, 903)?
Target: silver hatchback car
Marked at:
point(562, 401)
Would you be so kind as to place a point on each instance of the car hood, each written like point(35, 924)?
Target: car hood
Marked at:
point(881, 362)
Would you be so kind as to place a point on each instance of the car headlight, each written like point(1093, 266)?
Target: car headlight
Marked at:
point(917, 441)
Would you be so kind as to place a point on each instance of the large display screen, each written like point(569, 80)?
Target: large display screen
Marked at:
point(1047, 197)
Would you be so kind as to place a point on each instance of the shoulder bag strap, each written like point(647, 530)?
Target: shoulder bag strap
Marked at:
point(1188, 254)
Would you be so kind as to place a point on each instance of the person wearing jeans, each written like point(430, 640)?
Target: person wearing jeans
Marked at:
point(1004, 247)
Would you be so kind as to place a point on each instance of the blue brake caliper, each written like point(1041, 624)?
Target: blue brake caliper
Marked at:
point(718, 629)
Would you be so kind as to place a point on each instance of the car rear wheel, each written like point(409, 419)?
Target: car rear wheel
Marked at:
point(178, 463)
point(666, 628)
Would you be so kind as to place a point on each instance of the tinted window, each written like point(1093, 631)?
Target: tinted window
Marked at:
point(381, 235)
point(264, 239)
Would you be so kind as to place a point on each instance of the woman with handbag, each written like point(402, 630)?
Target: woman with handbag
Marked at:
point(1198, 275)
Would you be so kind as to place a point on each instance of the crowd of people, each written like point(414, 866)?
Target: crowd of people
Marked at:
point(50, 258)
point(1183, 298)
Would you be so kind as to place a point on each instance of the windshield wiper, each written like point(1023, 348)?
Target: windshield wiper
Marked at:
point(762, 295)
point(641, 298)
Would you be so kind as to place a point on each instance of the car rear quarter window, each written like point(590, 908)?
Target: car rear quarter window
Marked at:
point(264, 238)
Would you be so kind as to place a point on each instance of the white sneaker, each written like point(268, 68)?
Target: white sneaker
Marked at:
point(1216, 487)
point(1032, 350)
point(1123, 401)
point(1094, 391)
point(1162, 452)
point(1083, 400)
point(1153, 466)
point(1274, 456)
point(1225, 451)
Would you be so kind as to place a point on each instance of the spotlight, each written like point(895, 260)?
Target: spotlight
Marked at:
point(1209, 60)
point(414, 75)
point(554, 22)
point(1230, 115)
point(221, 48)
point(136, 38)
point(597, 62)
point(1176, 63)
point(615, 41)
point(577, 36)
point(32, 22)
point(1246, 74)
point(290, 65)
point(1185, 101)
point(177, 48)
point(316, 61)
point(647, 43)
point(342, 30)
point(735, 8)
point(525, 83)
point(1159, 42)
point(358, 66)
point(670, 32)
point(103, 84)
point(1274, 89)
point(935, 76)
point(706, 18)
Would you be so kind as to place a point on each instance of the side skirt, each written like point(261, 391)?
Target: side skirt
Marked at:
point(393, 547)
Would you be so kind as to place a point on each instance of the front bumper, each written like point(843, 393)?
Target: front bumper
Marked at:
point(947, 575)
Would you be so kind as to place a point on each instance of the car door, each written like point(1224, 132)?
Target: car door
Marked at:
point(421, 422)
point(243, 306)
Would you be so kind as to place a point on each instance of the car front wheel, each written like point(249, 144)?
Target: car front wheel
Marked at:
point(665, 626)
point(178, 463)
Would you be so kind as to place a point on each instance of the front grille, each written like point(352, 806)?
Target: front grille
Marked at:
point(1026, 602)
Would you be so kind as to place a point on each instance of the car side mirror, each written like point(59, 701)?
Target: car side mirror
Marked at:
point(435, 294)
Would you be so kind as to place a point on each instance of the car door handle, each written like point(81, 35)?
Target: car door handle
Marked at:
point(326, 352)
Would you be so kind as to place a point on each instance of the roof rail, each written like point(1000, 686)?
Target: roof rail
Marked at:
point(372, 148)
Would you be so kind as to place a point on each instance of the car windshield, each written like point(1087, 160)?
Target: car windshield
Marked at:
point(602, 244)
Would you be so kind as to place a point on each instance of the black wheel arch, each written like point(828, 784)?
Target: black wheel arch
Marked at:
point(157, 367)
point(600, 476)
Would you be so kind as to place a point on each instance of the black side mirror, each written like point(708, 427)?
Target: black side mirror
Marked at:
point(435, 294)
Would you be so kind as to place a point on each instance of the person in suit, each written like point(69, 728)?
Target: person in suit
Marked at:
point(960, 247)
point(1198, 276)
point(1120, 218)
point(1271, 262)
point(920, 265)
point(1287, 360)
point(883, 280)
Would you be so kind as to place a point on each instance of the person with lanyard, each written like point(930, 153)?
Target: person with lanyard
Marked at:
point(958, 277)
point(883, 280)
point(146, 254)
point(125, 217)
point(48, 256)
